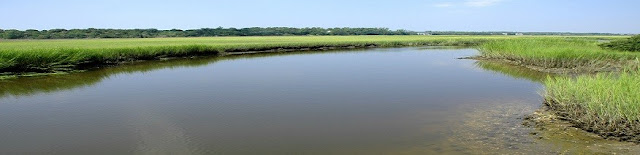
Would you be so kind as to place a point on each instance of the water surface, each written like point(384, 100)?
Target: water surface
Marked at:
point(375, 101)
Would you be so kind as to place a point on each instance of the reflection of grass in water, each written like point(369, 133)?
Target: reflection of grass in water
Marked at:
point(446, 47)
point(53, 83)
point(513, 71)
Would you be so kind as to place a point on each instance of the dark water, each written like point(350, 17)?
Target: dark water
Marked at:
point(377, 101)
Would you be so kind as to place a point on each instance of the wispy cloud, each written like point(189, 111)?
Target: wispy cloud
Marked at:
point(481, 3)
point(443, 5)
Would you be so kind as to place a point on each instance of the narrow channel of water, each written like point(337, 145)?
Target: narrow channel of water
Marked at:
point(375, 101)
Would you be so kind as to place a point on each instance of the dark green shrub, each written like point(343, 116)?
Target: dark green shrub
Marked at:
point(630, 44)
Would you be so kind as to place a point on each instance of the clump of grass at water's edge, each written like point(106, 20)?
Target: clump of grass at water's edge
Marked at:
point(606, 103)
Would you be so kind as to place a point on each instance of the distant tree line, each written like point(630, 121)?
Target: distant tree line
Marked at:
point(253, 31)
point(509, 33)
point(204, 32)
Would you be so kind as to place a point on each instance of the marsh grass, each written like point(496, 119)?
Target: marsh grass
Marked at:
point(605, 103)
point(579, 54)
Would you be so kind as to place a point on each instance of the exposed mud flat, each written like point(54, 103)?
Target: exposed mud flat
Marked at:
point(555, 129)
point(510, 128)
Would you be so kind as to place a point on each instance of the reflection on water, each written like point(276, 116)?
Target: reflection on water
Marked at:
point(42, 84)
point(377, 101)
point(514, 71)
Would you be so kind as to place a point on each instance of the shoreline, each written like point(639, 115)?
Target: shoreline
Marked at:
point(97, 65)
point(91, 66)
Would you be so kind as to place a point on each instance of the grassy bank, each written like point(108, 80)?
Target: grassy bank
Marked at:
point(605, 103)
point(559, 54)
point(60, 55)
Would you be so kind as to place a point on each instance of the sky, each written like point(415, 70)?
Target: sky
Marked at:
point(610, 16)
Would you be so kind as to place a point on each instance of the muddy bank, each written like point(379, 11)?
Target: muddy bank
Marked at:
point(497, 128)
point(552, 127)
point(90, 65)
point(10, 74)
point(575, 118)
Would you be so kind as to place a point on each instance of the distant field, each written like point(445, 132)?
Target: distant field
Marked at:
point(219, 41)
point(51, 55)
point(8, 45)
point(65, 54)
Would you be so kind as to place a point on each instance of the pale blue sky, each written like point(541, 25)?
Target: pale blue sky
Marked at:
point(616, 16)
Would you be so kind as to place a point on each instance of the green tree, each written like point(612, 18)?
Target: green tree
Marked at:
point(12, 34)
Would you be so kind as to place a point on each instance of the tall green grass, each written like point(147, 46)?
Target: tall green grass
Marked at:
point(606, 103)
point(570, 53)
